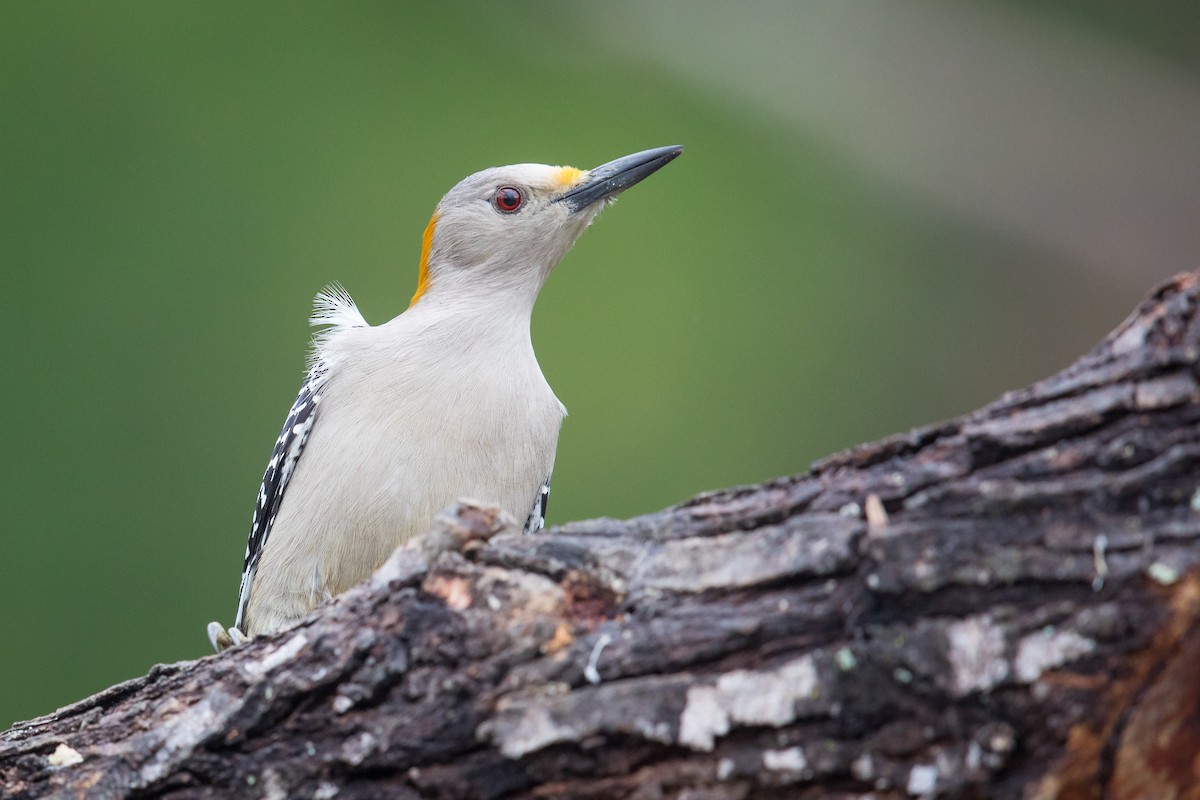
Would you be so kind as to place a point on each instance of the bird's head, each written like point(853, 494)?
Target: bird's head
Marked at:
point(503, 230)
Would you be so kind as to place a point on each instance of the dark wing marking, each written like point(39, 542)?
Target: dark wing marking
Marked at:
point(537, 515)
point(283, 462)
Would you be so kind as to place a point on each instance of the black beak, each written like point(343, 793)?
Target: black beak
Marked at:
point(614, 177)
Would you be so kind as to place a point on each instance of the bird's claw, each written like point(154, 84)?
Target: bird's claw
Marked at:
point(223, 638)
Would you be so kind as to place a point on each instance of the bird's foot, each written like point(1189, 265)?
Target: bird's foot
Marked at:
point(223, 638)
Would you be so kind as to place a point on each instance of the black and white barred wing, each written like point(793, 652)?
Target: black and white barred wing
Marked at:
point(537, 515)
point(332, 307)
point(284, 457)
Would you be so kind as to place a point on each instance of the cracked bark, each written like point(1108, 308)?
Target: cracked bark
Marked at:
point(1003, 605)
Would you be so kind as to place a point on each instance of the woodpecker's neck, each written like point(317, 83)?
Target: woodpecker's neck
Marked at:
point(472, 322)
point(485, 291)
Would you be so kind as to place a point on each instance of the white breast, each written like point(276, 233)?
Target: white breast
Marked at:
point(414, 416)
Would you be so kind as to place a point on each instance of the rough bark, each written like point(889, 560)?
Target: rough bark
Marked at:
point(1003, 605)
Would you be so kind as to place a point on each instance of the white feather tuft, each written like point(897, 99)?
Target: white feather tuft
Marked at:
point(334, 306)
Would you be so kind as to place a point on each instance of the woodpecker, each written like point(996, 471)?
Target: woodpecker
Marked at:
point(395, 421)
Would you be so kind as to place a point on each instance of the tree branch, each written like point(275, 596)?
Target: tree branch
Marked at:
point(1003, 605)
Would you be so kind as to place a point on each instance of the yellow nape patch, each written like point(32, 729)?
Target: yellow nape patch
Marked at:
point(423, 275)
point(567, 176)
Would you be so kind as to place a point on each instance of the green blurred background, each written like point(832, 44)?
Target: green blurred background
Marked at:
point(888, 213)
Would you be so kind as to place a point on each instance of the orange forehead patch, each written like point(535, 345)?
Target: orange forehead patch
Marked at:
point(423, 274)
point(567, 176)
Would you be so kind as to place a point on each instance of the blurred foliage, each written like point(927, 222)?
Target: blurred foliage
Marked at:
point(177, 181)
point(1166, 29)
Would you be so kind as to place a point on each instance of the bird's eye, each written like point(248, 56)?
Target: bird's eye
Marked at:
point(507, 199)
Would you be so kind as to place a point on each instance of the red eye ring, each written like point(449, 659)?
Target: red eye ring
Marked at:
point(508, 199)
